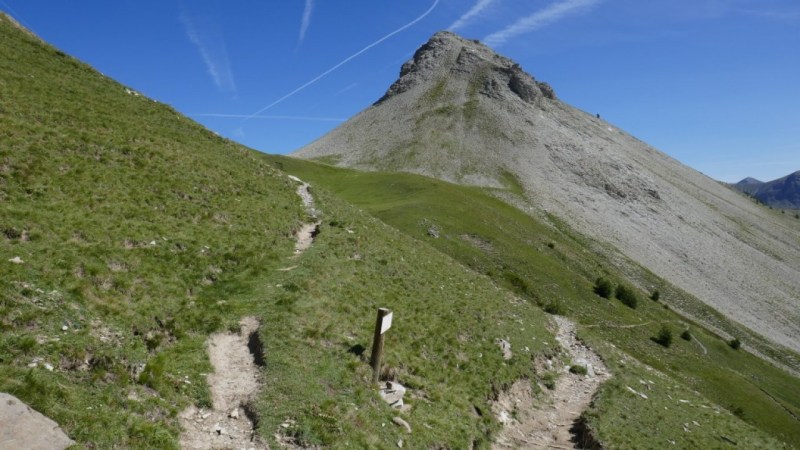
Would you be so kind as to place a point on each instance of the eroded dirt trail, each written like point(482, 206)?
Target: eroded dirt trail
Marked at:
point(236, 377)
point(233, 385)
point(307, 233)
point(544, 421)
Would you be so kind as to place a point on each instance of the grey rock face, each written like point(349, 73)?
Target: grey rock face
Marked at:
point(22, 428)
point(448, 54)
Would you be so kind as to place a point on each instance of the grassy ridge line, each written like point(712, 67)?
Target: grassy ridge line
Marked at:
point(140, 233)
point(441, 344)
point(553, 267)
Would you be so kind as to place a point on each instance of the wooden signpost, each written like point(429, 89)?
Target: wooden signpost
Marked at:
point(383, 323)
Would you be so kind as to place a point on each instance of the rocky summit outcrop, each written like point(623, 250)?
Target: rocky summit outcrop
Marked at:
point(461, 113)
point(447, 54)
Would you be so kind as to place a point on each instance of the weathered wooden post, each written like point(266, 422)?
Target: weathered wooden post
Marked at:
point(383, 323)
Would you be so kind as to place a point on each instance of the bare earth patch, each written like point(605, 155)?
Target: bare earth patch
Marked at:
point(235, 381)
point(545, 420)
point(233, 385)
point(305, 236)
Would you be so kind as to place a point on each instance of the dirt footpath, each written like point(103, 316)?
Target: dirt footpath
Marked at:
point(544, 421)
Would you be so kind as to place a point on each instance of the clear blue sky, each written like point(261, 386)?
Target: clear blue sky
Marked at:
point(713, 83)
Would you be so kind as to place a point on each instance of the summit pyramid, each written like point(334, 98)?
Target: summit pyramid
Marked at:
point(462, 113)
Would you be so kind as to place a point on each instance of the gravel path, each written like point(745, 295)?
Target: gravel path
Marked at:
point(545, 421)
point(307, 233)
point(233, 385)
point(236, 378)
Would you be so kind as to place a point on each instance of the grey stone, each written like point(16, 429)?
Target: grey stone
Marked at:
point(392, 393)
point(401, 423)
point(23, 428)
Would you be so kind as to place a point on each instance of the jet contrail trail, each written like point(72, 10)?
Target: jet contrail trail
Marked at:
point(257, 116)
point(345, 61)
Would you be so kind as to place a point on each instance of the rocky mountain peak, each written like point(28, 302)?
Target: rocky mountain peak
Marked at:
point(750, 180)
point(448, 55)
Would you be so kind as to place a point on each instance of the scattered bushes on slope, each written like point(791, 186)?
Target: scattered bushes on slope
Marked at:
point(603, 287)
point(627, 296)
point(664, 337)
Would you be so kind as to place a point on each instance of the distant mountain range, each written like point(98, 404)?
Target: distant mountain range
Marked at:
point(781, 193)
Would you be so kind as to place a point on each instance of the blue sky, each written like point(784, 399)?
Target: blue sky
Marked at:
point(713, 83)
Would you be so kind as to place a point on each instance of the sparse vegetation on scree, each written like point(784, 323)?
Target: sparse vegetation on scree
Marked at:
point(495, 239)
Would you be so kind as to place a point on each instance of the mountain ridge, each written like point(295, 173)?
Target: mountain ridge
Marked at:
point(783, 192)
point(460, 119)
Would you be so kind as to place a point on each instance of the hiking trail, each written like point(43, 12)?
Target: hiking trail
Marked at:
point(546, 421)
point(230, 423)
point(307, 233)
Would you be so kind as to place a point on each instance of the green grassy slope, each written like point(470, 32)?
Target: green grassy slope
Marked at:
point(441, 345)
point(140, 233)
point(556, 269)
point(134, 225)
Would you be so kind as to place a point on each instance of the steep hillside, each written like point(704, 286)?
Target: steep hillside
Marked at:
point(461, 113)
point(125, 230)
point(130, 234)
point(781, 193)
point(555, 269)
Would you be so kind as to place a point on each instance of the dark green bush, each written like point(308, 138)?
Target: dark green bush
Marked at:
point(664, 337)
point(554, 307)
point(655, 296)
point(627, 296)
point(686, 335)
point(603, 287)
point(735, 343)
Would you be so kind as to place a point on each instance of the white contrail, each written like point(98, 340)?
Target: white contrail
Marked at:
point(345, 61)
point(306, 21)
point(476, 9)
point(538, 20)
point(248, 116)
point(214, 53)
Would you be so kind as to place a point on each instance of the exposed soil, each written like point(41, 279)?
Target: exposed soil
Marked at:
point(230, 423)
point(307, 233)
point(548, 420)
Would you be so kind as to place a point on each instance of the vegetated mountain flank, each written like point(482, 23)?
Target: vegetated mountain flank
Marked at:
point(781, 193)
point(129, 234)
point(461, 113)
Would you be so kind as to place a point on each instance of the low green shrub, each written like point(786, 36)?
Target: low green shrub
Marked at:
point(686, 335)
point(603, 287)
point(655, 296)
point(627, 296)
point(554, 307)
point(664, 337)
point(735, 343)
